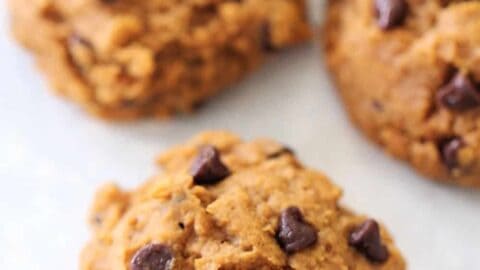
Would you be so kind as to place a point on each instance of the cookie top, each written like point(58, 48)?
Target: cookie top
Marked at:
point(126, 59)
point(222, 203)
point(408, 72)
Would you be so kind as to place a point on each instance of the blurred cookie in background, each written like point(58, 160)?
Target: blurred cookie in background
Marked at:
point(408, 72)
point(123, 59)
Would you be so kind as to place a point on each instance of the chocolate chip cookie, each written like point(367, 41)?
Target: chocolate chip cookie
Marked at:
point(222, 203)
point(126, 59)
point(409, 74)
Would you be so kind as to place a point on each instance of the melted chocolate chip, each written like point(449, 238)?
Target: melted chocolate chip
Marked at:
point(152, 257)
point(460, 94)
point(207, 168)
point(293, 233)
point(449, 151)
point(366, 239)
point(391, 13)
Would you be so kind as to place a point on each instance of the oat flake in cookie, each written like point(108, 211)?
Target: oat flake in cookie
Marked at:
point(409, 74)
point(267, 213)
point(126, 59)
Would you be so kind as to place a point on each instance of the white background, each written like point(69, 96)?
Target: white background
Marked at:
point(53, 156)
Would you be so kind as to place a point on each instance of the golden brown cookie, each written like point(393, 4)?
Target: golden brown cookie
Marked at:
point(222, 203)
point(409, 74)
point(126, 59)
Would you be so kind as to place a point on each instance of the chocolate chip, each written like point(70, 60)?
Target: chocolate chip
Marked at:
point(153, 257)
point(460, 94)
point(293, 233)
point(282, 151)
point(366, 239)
point(181, 225)
point(266, 37)
point(390, 13)
point(207, 168)
point(449, 151)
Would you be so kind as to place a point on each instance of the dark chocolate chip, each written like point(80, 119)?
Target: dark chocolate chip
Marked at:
point(449, 151)
point(366, 239)
point(391, 13)
point(460, 94)
point(181, 225)
point(153, 257)
point(266, 37)
point(293, 233)
point(282, 151)
point(207, 168)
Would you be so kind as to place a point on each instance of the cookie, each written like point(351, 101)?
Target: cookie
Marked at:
point(222, 203)
point(123, 59)
point(408, 72)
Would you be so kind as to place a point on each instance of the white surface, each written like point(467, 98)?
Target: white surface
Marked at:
point(52, 157)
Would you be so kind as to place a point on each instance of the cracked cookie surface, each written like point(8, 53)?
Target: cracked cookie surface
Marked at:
point(263, 211)
point(408, 72)
point(124, 59)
